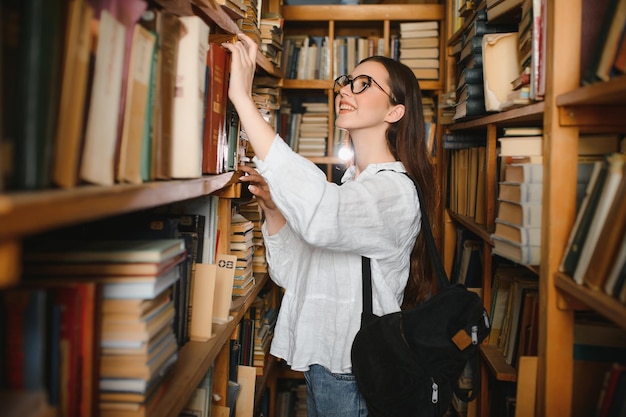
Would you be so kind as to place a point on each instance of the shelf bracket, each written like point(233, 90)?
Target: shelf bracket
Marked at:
point(606, 117)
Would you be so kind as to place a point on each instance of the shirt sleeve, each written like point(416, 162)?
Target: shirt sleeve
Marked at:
point(285, 254)
point(370, 216)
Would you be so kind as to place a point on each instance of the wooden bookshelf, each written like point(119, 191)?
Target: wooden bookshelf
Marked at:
point(567, 110)
point(24, 214)
point(195, 358)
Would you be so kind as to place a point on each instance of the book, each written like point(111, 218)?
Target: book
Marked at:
point(131, 366)
point(98, 155)
point(522, 214)
point(607, 43)
point(137, 106)
point(615, 175)
point(521, 235)
point(416, 26)
point(215, 124)
point(523, 173)
point(189, 113)
point(421, 53)
point(583, 217)
point(142, 251)
point(246, 378)
point(610, 237)
point(168, 29)
point(521, 145)
point(25, 326)
point(520, 192)
point(428, 42)
point(74, 87)
point(203, 296)
point(38, 32)
point(518, 253)
point(500, 67)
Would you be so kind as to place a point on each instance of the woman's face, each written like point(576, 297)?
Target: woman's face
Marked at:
point(368, 108)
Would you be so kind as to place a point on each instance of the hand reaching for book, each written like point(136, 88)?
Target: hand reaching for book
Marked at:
point(258, 187)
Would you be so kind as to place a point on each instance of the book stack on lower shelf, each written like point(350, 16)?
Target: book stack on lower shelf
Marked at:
point(252, 211)
point(242, 246)
point(517, 234)
point(132, 328)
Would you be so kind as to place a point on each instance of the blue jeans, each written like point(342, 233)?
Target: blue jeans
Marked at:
point(332, 395)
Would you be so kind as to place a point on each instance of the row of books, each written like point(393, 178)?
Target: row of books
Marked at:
point(101, 113)
point(595, 255)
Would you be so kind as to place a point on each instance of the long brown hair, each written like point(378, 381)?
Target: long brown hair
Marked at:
point(406, 140)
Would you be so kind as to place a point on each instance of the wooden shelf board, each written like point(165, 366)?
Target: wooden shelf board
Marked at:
point(531, 114)
point(307, 84)
point(195, 358)
point(501, 370)
point(23, 213)
point(363, 12)
point(608, 306)
point(612, 92)
point(478, 229)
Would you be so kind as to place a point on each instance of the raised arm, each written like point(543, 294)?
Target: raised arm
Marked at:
point(243, 64)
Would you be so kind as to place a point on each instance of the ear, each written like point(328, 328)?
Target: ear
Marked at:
point(396, 113)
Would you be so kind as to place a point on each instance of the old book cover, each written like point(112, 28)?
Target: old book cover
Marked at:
point(215, 121)
point(523, 214)
point(500, 67)
point(69, 132)
point(169, 30)
point(138, 106)
point(186, 156)
point(98, 157)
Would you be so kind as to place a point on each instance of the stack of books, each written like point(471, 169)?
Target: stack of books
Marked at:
point(517, 234)
point(138, 345)
point(313, 130)
point(252, 211)
point(419, 48)
point(272, 37)
point(242, 246)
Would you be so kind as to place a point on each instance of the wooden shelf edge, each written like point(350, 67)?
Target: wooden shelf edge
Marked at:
point(494, 359)
point(609, 93)
point(21, 212)
point(478, 229)
point(351, 12)
point(195, 359)
point(531, 113)
point(608, 306)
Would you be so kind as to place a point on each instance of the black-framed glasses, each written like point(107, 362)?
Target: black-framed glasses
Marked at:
point(358, 84)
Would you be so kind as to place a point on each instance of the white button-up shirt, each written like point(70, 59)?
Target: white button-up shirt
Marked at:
point(316, 256)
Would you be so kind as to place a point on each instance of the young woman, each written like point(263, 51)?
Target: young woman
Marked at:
point(316, 231)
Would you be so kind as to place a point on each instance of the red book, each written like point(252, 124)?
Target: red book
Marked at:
point(215, 120)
